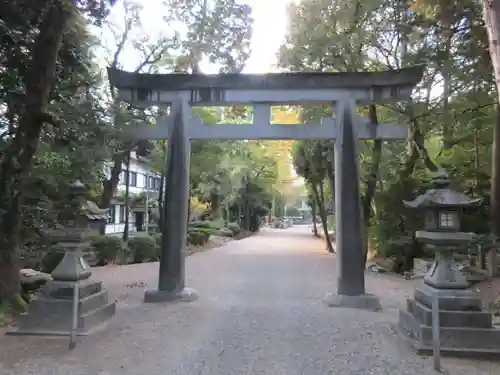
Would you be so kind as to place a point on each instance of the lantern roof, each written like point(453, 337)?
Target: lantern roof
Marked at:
point(441, 195)
point(93, 212)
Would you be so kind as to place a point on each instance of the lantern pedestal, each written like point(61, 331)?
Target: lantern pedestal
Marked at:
point(466, 330)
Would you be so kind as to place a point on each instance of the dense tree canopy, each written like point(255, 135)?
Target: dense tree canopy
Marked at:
point(451, 116)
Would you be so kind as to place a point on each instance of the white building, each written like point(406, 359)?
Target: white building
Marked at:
point(142, 180)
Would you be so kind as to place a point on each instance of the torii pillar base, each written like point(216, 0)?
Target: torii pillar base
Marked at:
point(158, 296)
point(364, 301)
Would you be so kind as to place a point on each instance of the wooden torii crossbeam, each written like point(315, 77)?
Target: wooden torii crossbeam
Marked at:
point(346, 90)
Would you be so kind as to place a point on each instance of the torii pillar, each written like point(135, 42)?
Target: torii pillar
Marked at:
point(171, 276)
point(349, 226)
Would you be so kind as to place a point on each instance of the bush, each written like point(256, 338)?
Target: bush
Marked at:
point(143, 248)
point(197, 237)
point(217, 224)
point(107, 248)
point(224, 233)
point(201, 224)
point(234, 228)
point(207, 231)
point(403, 250)
point(157, 237)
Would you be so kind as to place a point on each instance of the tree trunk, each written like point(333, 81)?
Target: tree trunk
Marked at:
point(226, 217)
point(162, 187)
point(371, 181)
point(320, 199)
point(491, 14)
point(17, 161)
point(417, 151)
point(314, 213)
point(495, 176)
point(215, 208)
point(109, 186)
point(246, 212)
point(330, 171)
point(127, 200)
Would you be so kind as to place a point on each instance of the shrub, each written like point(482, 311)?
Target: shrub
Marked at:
point(207, 231)
point(200, 224)
point(217, 224)
point(157, 237)
point(107, 248)
point(234, 228)
point(143, 248)
point(224, 233)
point(403, 249)
point(197, 238)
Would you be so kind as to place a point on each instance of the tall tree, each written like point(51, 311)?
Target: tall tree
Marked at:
point(44, 25)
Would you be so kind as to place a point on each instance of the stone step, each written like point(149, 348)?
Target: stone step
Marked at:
point(96, 317)
point(451, 337)
point(93, 302)
point(64, 289)
point(471, 319)
point(470, 353)
point(449, 299)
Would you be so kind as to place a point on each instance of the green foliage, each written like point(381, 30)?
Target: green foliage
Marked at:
point(225, 232)
point(450, 126)
point(5, 314)
point(203, 225)
point(234, 228)
point(107, 248)
point(198, 236)
point(158, 238)
point(143, 248)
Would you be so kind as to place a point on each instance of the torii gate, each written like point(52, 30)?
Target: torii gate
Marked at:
point(261, 91)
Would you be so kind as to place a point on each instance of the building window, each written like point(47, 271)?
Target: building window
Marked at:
point(123, 212)
point(111, 214)
point(446, 220)
point(133, 179)
point(123, 177)
point(157, 183)
point(107, 171)
point(151, 183)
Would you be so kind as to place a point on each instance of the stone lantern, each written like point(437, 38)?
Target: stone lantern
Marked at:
point(466, 330)
point(51, 310)
point(442, 207)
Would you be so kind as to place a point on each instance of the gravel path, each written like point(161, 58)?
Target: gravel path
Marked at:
point(260, 313)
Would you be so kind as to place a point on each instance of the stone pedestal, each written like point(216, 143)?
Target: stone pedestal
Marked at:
point(466, 330)
point(51, 310)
